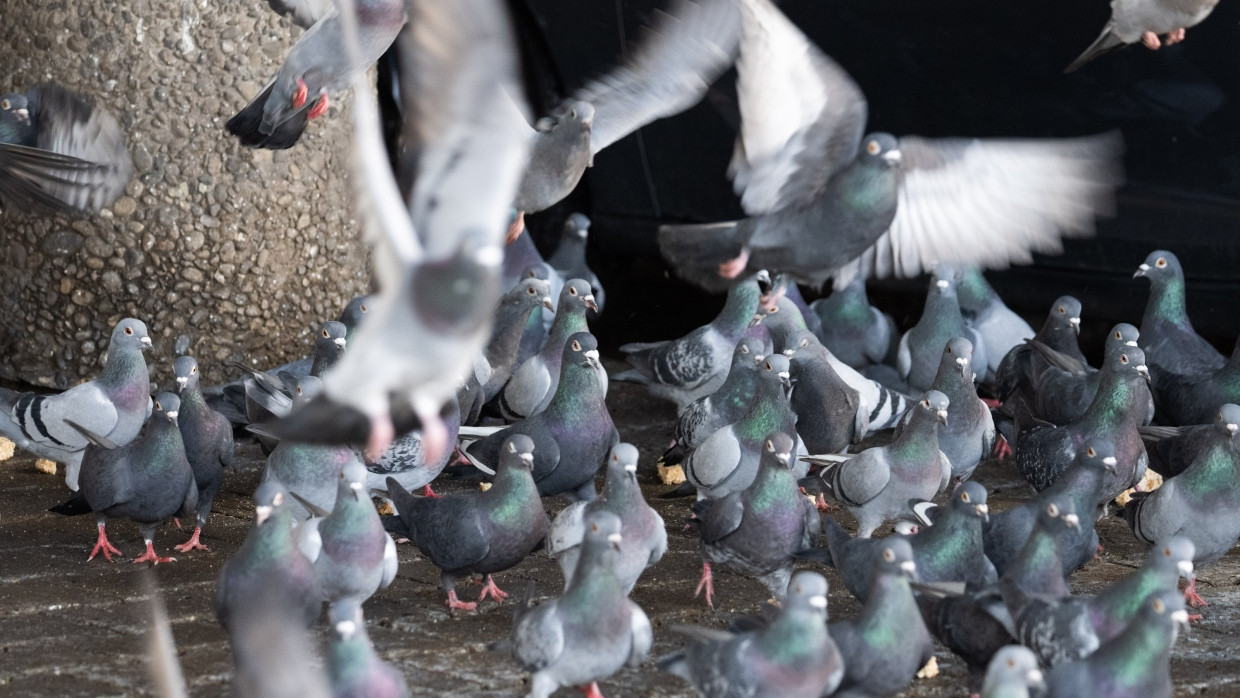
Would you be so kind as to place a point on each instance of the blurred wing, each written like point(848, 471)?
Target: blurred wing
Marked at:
point(679, 56)
point(992, 203)
point(802, 116)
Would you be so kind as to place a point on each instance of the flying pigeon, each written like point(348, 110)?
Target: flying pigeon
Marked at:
point(1145, 21)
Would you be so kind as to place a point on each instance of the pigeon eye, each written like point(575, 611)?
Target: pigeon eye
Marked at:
point(1061, 311)
point(889, 555)
point(744, 349)
point(572, 291)
point(949, 350)
point(925, 403)
point(1090, 452)
point(804, 342)
point(594, 528)
point(299, 390)
point(1159, 606)
point(1118, 335)
point(512, 448)
point(1166, 552)
point(614, 457)
point(873, 147)
point(5, 104)
point(362, 308)
point(1162, 262)
point(1123, 358)
point(1052, 510)
point(128, 330)
point(159, 407)
point(576, 345)
point(964, 496)
point(769, 367)
point(194, 370)
point(770, 445)
point(325, 335)
point(530, 290)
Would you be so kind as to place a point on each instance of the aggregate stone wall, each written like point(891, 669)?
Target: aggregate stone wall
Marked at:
point(243, 252)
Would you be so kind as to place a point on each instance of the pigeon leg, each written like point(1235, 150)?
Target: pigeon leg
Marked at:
point(455, 603)
point(991, 402)
point(1151, 41)
point(1003, 450)
point(381, 435)
point(434, 435)
point(515, 230)
point(150, 556)
point(193, 543)
point(707, 582)
point(1175, 36)
point(319, 108)
point(1192, 597)
point(591, 691)
point(490, 589)
point(299, 95)
point(733, 267)
point(102, 545)
point(428, 492)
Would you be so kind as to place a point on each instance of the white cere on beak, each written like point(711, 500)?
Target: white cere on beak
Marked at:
point(908, 566)
point(592, 354)
point(962, 361)
point(146, 341)
point(1109, 460)
point(355, 486)
point(1180, 616)
point(262, 512)
point(784, 375)
point(1185, 567)
point(614, 539)
point(892, 156)
point(942, 415)
point(527, 458)
point(1074, 321)
point(819, 601)
point(1232, 427)
point(630, 468)
point(1072, 520)
point(346, 628)
point(182, 381)
point(1130, 343)
point(1143, 370)
point(1034, 677)
point(1144, 267)
point(172, 415)
point(942, 284)
point(783, 457)
point(340, 342)
point(982, 509)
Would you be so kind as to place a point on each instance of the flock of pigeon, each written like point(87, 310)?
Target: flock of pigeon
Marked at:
point(484, 345)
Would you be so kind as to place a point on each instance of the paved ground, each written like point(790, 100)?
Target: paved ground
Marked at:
point(70, 627)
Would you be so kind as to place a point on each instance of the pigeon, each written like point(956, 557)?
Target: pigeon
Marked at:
point(148, 480)
point(918, 356)
point(318, 66)
point(437, 260)
point(683, 370)
point(1039, 567)
point(1194, 399)
point(823, 201)
point(969, 434)
point(303, 13)
point(569, 258)
point(1174, 350)
point(1045, 451)
point(479, 532)
point(268, 561)
point(1055, 627)
point(830, 415)
point(985, 313)
point(533, 383)
point(572, 437)
point(114, 405)
point(1112, 609)
point(592, 630)
point(352, 554)
point(310, 470)
point(1013, 673)
point(877, 484)
point(512, 315)
point(792, 656)
point(645, 537)
point(208, 440)
point(60, 151)
point(1015, 375)
point(727, 461)
point(329, 346)
point(782, 318)
point(1084, 483)
point(709, 413)
point(1064, 387)
point(880, 406)
point(856, 332)
point(1173, 449)
point(757, 530)
point(887, 643)
point(269, 398)
point(1136, 663)
point(353, 667)
point(1145, 21)
point(407, 461)
point(1202, 503)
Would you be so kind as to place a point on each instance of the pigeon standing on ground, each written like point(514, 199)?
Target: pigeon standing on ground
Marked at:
point(969, 434)
point(1145, 21)
point(710, 413)
point(317, 67)
point(855, 331)
point(877, 484)
point(569, 258)
point(533, 383)
point(114, 405)
point(592, 630)
point(683, 370)
point(1015, 375)
point(353, 667)
point(61, 151)
point(208, 440)
point(645, 536)
point(1194, 399)
point(310, 470)
point(757, 529)
point(572, 437)
point(793, 656)
point(985, 313)
point(479, 532)
point(881, 407)
point(512, 315)
point(1172, 347)
point(830, 414)
point(148, 480)
point(1112, 609)
point(822, 201)
point(920, 349)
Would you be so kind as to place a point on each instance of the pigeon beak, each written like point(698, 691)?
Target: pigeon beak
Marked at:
point(942, 415)
point(1110, 463)
point(1130, 344)
point(1034, 678)
point(984, 511)
point(1185, 568)
point(963, 363)
point(1144, 371)
point(172, 416)
point(181, 382)
point(589, 301)
point(261, 513)
point(631, 469)
point(1073, 521)
point(788, 352)
point(1075, 324)
point(592, 358)
point(1141, 270)
point(146, 342)
point(1231, 428)
point(340, 342)
point(784, 459)
point(356, 487)
point(546, 302)
point(892, 156)
point(23, 115)
point(527, 459)
point(615, 539)
point(755, 320)
point(818, 601)
point(908, 567)
point(942, 284)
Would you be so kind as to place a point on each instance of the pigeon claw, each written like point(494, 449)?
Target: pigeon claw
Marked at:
point(319, 108)
point(591, 691)
point(150, 556)
point(708, 583)
point(102, 545)
point(382, 433)
point(455, 604)
point(515, 229)
point(193, 542)
point(1151, 41)
point(299, 94)
point(733, 267)
point(1175, 36)
point(428, 492)
point(1003, 450)
point(1192, 597)
point(490, 589)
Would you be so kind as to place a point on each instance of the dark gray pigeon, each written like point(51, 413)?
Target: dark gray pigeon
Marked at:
point(354, 668)
point(683, 370)
point(208, 440)
point(60, 151)
point(1194, 399)
point(830, 413)
point(1039, 567)
point(881, 406)
point(920, 351)
point(512, 315)
point(1064, 387)
point(710, 413)
point(329, 346)
point(645, 536)
point(114, 405)
point(969, 434)
point(855, 331)
point(310, 470)
point(1015, 375)
point(793, 656)
point(1173, 449)
point(1145, 21)
point(756, 530)
point(887, 643)
point(877, 484)
point(822, 201)
point(569, 258)
point(534, 382)
point(592, 630)
point(316, 68)
point(148, 480)
point(479, 532)
point(1112, 609)
point(572, 437)
point(986, 314)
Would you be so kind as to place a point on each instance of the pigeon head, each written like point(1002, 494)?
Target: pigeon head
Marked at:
point(1130, 360)
point(622, 462)
point(15, 123)
point(533, 291)
point(1165, 609)
point(775, 368)
point(331, 338)
point(581, 349)
point(185, 368)
point(896, 557)
point(807, 593)
point(577, 291)
point(167, 406)
point(762, 278)
point(970, 497)
point(353, 478)
point(1065, 314)
point(304, 388)
point(1013, 665)
point(1123, 335)
point(576, 227)
point(453, 295)
point(749, 350)
point(1161, 265)
point(881, 148)
point(517, 452)
point(1100, 454)
point(130, 333)
point(798, 340)
point(267, 498)
point(1228, 419)
point(1175, 553)
point(958, 356)
point(936, 404)
point(576, 117)
point(354, 312)
point(779, 449)
point(1058, 513)
point(602, 530)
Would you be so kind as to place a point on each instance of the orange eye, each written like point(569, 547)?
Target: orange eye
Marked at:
point(128, 330)
point(1162, 262)
point(325, 335)
point(889, 555)
point(1123, 358)
point(873, 147)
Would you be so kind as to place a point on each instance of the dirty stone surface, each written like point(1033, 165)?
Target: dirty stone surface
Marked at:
point(258, 246)
point(69, 627)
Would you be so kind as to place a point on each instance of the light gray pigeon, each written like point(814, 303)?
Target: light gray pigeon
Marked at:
point(685, 369)
point(60, 151)
point(354, 668)
point(986, 314)
point(645, 536)
point(208, 439)
point(877, 484)
point(1145, 21)
point(757, 530)
point(310, 470)
point(822, 201)
point(303, 13)
point(969, 434)
point(114, 405)
point(919, 353)
point(592, 630)
point(1013, 673)
point(710, 413)
point(569, 258)
point(512, 315)
point(793, 656)
point(855, 331)
point(317, 67)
